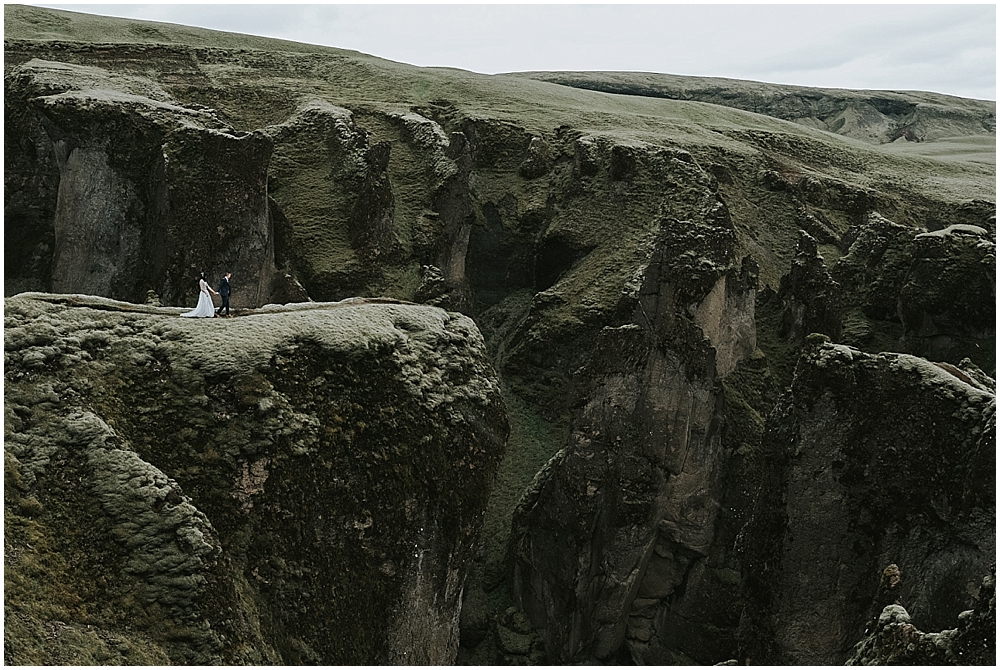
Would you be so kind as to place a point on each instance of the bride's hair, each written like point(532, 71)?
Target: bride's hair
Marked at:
point(202, 275)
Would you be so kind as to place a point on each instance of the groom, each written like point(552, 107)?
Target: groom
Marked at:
point(224, 293)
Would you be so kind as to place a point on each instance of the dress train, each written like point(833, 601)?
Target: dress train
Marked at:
point(205, 307)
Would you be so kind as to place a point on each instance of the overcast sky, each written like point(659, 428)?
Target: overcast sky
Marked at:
point(946, 48)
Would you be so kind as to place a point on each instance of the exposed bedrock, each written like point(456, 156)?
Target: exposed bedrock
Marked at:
point(150, 193)
point(810, 298)
point(868, 460)
point(613, 544)
point(948, 302)
point(609, 247)
point(939, 287)
point(874, 268)
point(296, 486)
point(892, 639)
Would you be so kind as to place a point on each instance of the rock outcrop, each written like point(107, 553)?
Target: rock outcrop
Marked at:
point(810, 298)
point(293, 486)
point(150, 192)
point(894, 640)
point(613, 545)
point(936, 288)
point(867, 460)
point(947, 304)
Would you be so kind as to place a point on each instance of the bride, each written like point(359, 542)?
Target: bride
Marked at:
point(205, 305)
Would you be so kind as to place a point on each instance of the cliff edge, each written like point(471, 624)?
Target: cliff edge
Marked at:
point(294, 486)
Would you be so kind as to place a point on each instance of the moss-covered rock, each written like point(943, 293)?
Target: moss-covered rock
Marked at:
point(293, 486)
point(150, 192)
point(931, 294)
point(614, 545)
point(874, 269)
point(894, 640)
point(559, 218)
point(810, 297)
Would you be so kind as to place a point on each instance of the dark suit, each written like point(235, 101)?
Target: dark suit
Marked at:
point(224, 293)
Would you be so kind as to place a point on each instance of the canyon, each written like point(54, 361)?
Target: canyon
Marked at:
point(536, 368)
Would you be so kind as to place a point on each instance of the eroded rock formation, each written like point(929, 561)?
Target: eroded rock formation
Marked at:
point(613, 546)
point(150, 192)
point(867, 460)
point(894, 640)
point(609, 247)
point(298, 486)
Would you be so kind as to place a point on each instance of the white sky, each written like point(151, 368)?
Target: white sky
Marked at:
point(946, 48)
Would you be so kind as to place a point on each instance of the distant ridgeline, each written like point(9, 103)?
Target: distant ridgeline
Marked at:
point(545, 368)
point(878, 117)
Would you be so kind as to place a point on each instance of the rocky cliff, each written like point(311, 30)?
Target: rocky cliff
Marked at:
point(297, 486)
point(620, 525)
point(645, 269)
point(867, 460)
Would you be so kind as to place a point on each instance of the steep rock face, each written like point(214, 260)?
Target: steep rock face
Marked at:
point(811, 299)
point(295, 486)
point(939, 287)
point(547, 214)
point(341, 207)
point(621, 522)
point(876, 264)
point(948, 303)
point(149, 192)
point(867, 460)
point(360, 207)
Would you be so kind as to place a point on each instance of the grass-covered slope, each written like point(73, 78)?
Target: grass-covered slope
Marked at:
point(878, 117)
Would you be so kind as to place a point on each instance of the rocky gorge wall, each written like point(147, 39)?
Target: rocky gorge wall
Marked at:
point(867, 460)
point(633, 497)
point(148, 193)
point(297, 486)
point(646, 274)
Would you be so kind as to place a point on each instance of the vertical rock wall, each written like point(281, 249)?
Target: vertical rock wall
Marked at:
point(868, 460)
point(622, 521)
point(149, 193)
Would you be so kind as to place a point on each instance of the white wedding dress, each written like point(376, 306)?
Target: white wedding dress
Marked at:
point(205, 305)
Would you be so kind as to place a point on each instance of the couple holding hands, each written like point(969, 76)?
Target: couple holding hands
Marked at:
point(206, 307)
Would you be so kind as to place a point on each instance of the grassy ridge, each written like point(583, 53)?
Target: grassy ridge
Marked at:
point(290, 71)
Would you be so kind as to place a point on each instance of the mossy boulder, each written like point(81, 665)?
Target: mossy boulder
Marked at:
point(291, 486)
